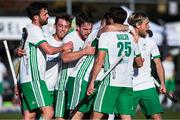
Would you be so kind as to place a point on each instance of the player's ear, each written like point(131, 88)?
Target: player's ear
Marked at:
point(35, 17)
point(77, 28)
point(137, 25)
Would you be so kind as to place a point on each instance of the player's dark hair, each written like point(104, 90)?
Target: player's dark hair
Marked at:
point(107, 18)
point(64, 16)
point(83, 18)
point(34, 9)
point(118, 14)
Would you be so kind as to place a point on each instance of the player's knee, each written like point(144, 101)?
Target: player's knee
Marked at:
point(29, 116)
point(156, 117)
point(47, 112)
point(125, 117)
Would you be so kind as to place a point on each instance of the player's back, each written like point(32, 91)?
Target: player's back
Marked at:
point(115, 44)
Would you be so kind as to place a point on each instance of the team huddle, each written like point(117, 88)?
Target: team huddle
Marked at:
point(58, 71)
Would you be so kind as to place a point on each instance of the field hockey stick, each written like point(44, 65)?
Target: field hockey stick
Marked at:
point(86, 98)
point(10, 62)
point(12, 70)
point(172, 98)
point(22, 44)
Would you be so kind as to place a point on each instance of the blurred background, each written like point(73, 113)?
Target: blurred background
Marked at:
point(165, 24)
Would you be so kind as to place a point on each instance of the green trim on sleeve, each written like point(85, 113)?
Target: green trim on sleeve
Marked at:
point(158, 56)
point(40, 42)
point(103, 49)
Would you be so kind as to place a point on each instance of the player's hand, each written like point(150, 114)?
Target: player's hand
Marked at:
point(89, 50)
point(20, 52)
point(162, 88)
point(68, 45)
point(16, 91)
point(91, 88)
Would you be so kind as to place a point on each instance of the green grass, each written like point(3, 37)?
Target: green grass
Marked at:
point(8, 116)
point(168, 114)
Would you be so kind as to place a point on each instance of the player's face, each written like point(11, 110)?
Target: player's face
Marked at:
point(62, 28)
point(43, 17)
point(84, 30)
point(143, 28)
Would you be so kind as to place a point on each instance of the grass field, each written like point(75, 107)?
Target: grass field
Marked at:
point(168, 115)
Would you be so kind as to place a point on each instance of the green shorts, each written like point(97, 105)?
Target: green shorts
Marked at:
point(118, 100)
point(60, 104)
point(148, 100)
point(80, 94)
point(52, 99)
point(63, 99)
point(35, 95)
point(69, 89)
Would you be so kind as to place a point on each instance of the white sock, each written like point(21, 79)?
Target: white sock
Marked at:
point(111, 117)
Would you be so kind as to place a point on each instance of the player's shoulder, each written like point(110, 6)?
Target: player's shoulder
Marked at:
point(150, 41)
point(49, 38)
point(110, 33)
point(71, 35)
point(31, 28)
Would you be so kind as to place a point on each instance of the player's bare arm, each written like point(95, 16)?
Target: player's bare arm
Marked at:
point(113, 27)
point(48, 49)
point(95, 71)
point(161, 74)
point(69, 56)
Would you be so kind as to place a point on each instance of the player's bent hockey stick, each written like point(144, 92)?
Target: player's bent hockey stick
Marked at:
point(18, 91)
point(87, 98)
point(12, 69)
point(10, 62)
point(172, 98)
point(22, 44)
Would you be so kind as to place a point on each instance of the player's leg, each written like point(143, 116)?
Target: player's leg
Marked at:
point(60, 102)
point(125, 117)
point(78, 116)
point(111, 117)
point(150, 103)
point(70, 87)
point(96, 116)
point(87, 107)
point(47, 112)
point(156, 116)
point(47, 106)
point(29, 115)
point(136, 99)
point(78, 94)
point(105, 101)
point(124, 103)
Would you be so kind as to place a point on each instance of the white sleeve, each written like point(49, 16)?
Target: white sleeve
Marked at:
point(155, 51)
point(67, 39)
point(36, 36)
point(103, 42)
